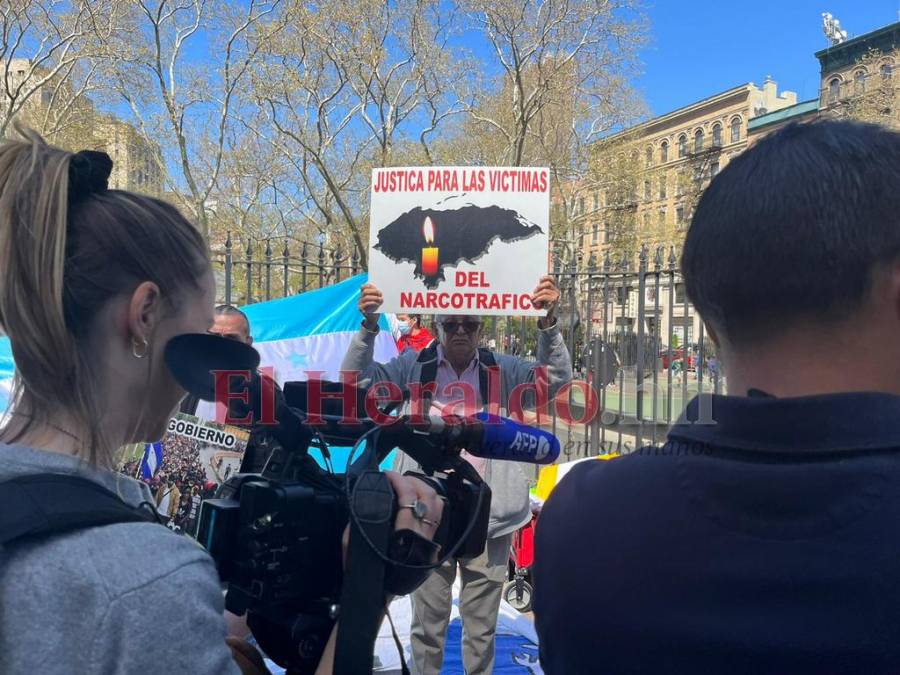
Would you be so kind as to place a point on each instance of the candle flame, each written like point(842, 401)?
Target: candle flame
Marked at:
point(428, 230)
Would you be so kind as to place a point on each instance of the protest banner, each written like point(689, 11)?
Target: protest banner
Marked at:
point(197, 455)
point(459, 240)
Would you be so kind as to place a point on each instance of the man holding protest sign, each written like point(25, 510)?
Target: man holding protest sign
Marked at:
point(441, 242)
point(460, 375)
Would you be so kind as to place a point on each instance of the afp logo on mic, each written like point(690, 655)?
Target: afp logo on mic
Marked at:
point(534, 446)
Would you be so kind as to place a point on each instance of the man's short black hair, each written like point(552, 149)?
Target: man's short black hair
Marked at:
point(794, 229)
point(231, 310)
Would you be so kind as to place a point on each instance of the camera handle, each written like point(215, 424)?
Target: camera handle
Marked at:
point(362, 595)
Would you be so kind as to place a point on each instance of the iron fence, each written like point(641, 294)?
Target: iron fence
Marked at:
point(639, 349)
point(255, 272)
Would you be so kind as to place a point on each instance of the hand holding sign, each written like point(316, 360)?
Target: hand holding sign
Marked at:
point(546, 296)
point(370, 300)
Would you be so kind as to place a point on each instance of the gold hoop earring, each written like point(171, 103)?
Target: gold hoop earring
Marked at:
point(143, 345)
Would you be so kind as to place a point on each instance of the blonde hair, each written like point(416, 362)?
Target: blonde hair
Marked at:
point(64, 257)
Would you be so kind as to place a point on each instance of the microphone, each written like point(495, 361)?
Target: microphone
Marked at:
point(503, 438)
point(494, 437)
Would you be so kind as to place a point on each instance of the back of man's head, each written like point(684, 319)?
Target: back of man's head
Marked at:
point(794, 230)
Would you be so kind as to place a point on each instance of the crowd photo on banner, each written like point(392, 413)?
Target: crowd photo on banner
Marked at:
point(182, 470)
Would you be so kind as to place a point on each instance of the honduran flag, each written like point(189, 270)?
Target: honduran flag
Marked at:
point(310, 333)
point(152, 460)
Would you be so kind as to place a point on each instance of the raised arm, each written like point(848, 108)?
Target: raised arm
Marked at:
point(551, 347)
point(360, 356)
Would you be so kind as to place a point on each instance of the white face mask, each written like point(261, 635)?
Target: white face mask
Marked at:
point(404, 328)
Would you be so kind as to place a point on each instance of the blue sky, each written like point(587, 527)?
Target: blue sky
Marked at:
point(702, 47)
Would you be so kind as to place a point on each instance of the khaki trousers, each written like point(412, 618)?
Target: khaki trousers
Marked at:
point(479, 602)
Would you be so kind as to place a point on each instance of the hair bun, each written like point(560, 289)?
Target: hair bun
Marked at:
point(88, 174)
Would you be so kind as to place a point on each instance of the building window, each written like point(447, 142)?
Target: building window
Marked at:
point(605, 233)
point(679, 215)
point(859, 83)
point(682, 145)
point(735, 129)
point(714, 169)
point(662, 216)
point(679, 293)
point(662, 187)
point(581, 205)
point(647, 196)
point(595, 233)
point(717, 135)
point(834, 90)
point(664, 148)
point(596, 201)
point(679, 184)
point(698, 141)
point(646, 220)
point(887, 72)
point(648, 157)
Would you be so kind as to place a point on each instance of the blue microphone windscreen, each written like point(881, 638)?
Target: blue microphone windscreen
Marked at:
point(506, 439)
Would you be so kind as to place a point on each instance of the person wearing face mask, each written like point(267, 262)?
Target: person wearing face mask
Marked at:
point(459, 372)
point(413, 335)
point(95, 283)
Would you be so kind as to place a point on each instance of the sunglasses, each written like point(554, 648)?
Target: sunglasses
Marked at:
point(452, 327)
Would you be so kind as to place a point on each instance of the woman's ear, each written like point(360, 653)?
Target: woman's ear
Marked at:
point(144, 311)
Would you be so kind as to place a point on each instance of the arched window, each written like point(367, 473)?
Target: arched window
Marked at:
point(735, 129)
point(717, 135)
point(648, 157)
point(859, 82)
point(647, 195)
point(887, 71)
point(698, 140)
point(664, 151)
point(834, 90)
point(682, 145)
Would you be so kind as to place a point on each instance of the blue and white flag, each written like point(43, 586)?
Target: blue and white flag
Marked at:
point(310, 333)
point(152, 460)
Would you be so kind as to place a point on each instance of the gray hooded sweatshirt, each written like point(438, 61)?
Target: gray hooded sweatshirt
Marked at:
point(130, 598)
point(510, 508)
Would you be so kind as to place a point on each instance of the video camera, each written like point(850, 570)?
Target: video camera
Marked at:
point(276, 536)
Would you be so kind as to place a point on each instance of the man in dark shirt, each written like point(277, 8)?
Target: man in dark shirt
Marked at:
point(763, 537)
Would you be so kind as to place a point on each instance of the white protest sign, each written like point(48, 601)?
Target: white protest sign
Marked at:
point(459, 240)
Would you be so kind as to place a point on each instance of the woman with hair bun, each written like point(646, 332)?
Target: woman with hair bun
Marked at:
point(94, 284)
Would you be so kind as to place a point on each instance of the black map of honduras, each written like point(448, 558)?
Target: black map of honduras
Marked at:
point(463, 234)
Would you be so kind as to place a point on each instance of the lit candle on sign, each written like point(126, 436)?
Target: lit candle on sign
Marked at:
point(429, 253)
